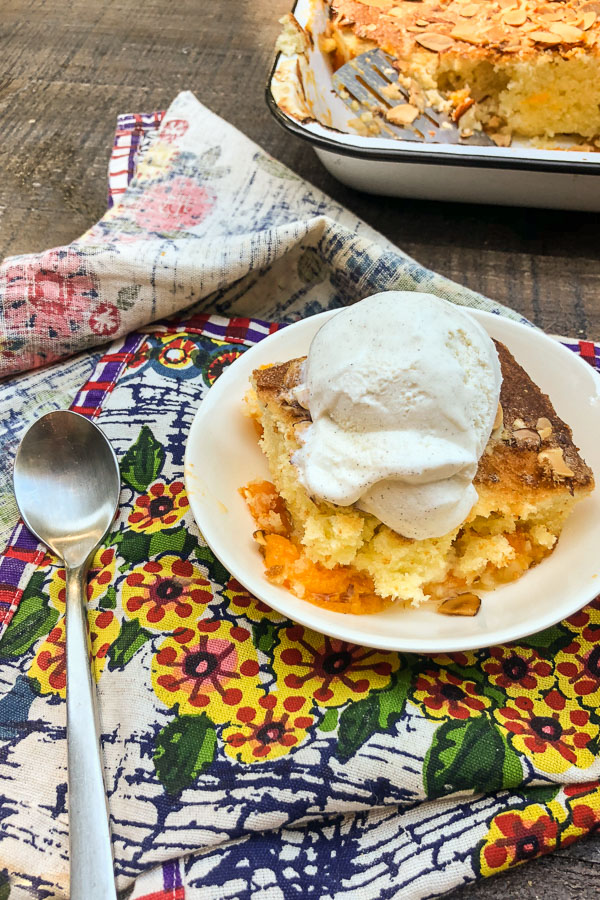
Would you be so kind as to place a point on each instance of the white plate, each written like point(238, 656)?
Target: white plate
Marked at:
point(222, 454)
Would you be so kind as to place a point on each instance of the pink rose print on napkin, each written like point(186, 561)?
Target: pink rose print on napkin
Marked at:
point(51, 294)
point(52, 297)
point(175, 205)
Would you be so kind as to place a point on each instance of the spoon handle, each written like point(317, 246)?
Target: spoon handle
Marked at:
point(91, 863)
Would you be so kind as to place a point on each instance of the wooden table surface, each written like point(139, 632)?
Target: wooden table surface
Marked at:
point(68, 67)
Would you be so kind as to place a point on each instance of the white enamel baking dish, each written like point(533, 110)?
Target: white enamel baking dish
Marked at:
point(301, 97)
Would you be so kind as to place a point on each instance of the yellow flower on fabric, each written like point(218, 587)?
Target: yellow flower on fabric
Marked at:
point(243, 603)
point(49, 665)
point(586, 620)
point(166, 594)
point(442, 694)
point(516, 836)
point(553, 732)
point(101, 576)
point(578, 671)
point(518, 670)
point(163, 506)
point(584, 807)
point(104, 629)
point(268, 730)
point(211, 668)
point(329, 670)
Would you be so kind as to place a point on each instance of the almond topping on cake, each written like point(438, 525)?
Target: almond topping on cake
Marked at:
point(498, 51)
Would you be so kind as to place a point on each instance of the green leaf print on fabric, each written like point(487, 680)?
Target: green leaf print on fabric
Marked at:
point(264, 635)
point(131, 638)
point(184, 749)
point(541, 794)
point(329, 721)
point(274, 167)
point(377, 712)
point(135, 547)
point(469, 755)
point(392, 701)
point(178, 541)
point(109, 601)
point(552, 639)
point(127, 296)
point(143, 462)
point(4, 886)
point(36, 584)
point(33, 619)
point(357, 723)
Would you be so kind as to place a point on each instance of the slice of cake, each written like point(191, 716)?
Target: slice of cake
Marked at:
point(526, 67)
point(528, 480)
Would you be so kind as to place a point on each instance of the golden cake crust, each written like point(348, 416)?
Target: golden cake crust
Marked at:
point(476, 29)
point(533, 448)
point(528, 480)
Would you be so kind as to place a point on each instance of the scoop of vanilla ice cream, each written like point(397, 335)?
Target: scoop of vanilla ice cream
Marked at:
point(403, 390)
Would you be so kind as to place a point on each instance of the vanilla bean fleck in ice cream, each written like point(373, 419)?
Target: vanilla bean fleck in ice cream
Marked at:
point(403, 390)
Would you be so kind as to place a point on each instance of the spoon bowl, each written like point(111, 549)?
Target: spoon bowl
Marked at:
point(67, 486)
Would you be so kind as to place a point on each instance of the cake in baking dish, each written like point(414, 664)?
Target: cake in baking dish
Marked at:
point(523, 67)
point(528, 480)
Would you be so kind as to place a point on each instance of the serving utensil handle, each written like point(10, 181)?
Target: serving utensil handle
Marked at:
point(91, 862)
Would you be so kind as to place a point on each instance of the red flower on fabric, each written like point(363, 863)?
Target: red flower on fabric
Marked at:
point(516, 836)
point(332, 671)
point(218, 365)
point(578, 670)
point(212, 667)
point(177, 352)
point(140, 356)
point(162, 507)
point(105, 319)
point(165, 594)
point(174, 205)
point(443, 694)
point(49, 666)
point(52, 659)
point(460, 658)
point(243, 603)
point(553, 731)
point(586, 619)
point(270, 729)
point(581, 788)
point(51, 294)
point(584, 804)
point(518, 670)
point(173, 129)
point(101, 574)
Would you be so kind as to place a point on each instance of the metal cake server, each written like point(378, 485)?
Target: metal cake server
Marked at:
point(67, 485)
point(361, 84)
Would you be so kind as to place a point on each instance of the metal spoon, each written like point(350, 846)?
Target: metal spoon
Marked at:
point(67, 485)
